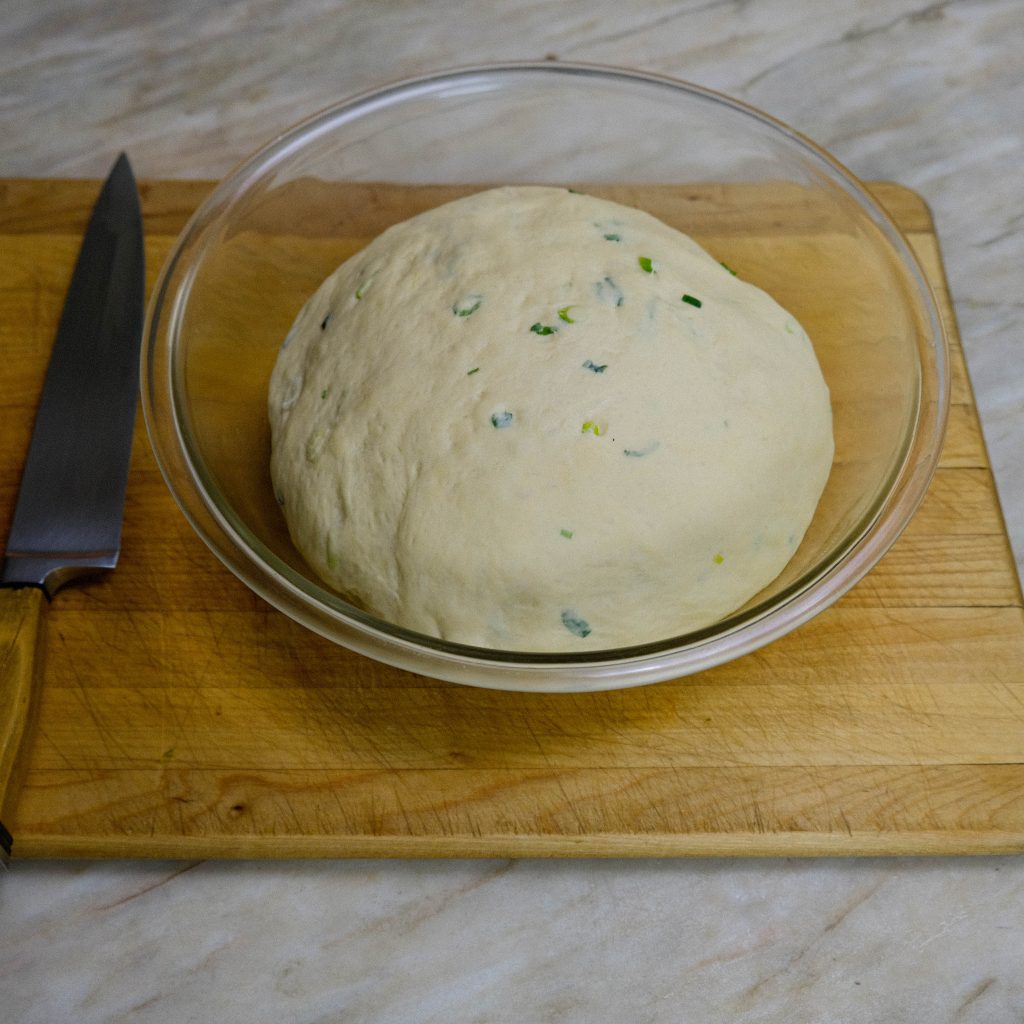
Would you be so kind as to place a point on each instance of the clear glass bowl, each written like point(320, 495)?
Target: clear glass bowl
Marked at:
point(755, 193)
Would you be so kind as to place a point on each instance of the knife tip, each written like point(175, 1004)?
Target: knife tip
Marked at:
point(119, 196)
point(122, 168)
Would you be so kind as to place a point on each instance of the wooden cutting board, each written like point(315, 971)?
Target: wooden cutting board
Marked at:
point(180, 716)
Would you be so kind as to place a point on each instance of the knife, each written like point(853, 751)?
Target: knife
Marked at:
point(67, 519)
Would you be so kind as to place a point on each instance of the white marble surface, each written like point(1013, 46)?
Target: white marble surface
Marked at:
point(929, 94)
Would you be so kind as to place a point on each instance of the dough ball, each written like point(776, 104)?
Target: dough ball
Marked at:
point(536, 420)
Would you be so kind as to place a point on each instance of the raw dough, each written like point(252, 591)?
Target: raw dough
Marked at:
point(532, 419)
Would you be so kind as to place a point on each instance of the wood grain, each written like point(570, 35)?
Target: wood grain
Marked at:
point(182, 716)
point(21, 637)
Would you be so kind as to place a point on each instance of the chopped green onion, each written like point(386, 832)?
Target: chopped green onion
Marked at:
point(727, 267)
point(639, 453)
point(543, 329)
point(323, 394)
point(609, 292)
point(718, 559)
point(501, 419)
point(647, 264)
point(476, 369)
point(326, 320)
point(590, 365)
point(692, 301)
point(468, 305)
point(591, 427)
point(574, 191)
point(563, 314)
point(613, 237)
point(575, 624)
point(567, 534)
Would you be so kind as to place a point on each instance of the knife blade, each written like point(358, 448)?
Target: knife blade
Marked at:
point(70, 505)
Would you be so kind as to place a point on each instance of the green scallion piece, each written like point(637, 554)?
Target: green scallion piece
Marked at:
point(646, 264)
point(590, 427)
point(567, 534)
point(639, 453)
point(467, 306)
point(609, 292)
point(575, 623)
point(326, 320)
point(503, 419)
point(563, 314)
point(718, 559)
point(692, 301)
point(727, 267)
point(543, 329)
point(476, 369)
point(589, 364)
point(612, 237)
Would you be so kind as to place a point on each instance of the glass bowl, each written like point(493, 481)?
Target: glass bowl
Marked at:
point(756, 194)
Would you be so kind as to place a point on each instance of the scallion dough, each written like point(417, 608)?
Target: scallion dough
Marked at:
point(536, 420)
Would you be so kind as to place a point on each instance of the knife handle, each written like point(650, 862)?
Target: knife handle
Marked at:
point(21, 623)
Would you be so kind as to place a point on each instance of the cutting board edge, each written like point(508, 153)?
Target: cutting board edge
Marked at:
point(597, 846)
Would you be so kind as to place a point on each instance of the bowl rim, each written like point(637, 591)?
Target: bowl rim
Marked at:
point(325, 612)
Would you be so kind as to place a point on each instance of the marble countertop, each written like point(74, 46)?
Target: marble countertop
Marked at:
point(925, 93)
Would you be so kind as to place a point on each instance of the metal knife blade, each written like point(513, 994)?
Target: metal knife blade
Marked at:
point(69, 510)
point(70, 506)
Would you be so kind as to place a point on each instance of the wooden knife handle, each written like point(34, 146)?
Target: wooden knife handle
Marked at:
point(20, 656)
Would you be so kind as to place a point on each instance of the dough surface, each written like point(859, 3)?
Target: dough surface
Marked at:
point(536, 420)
